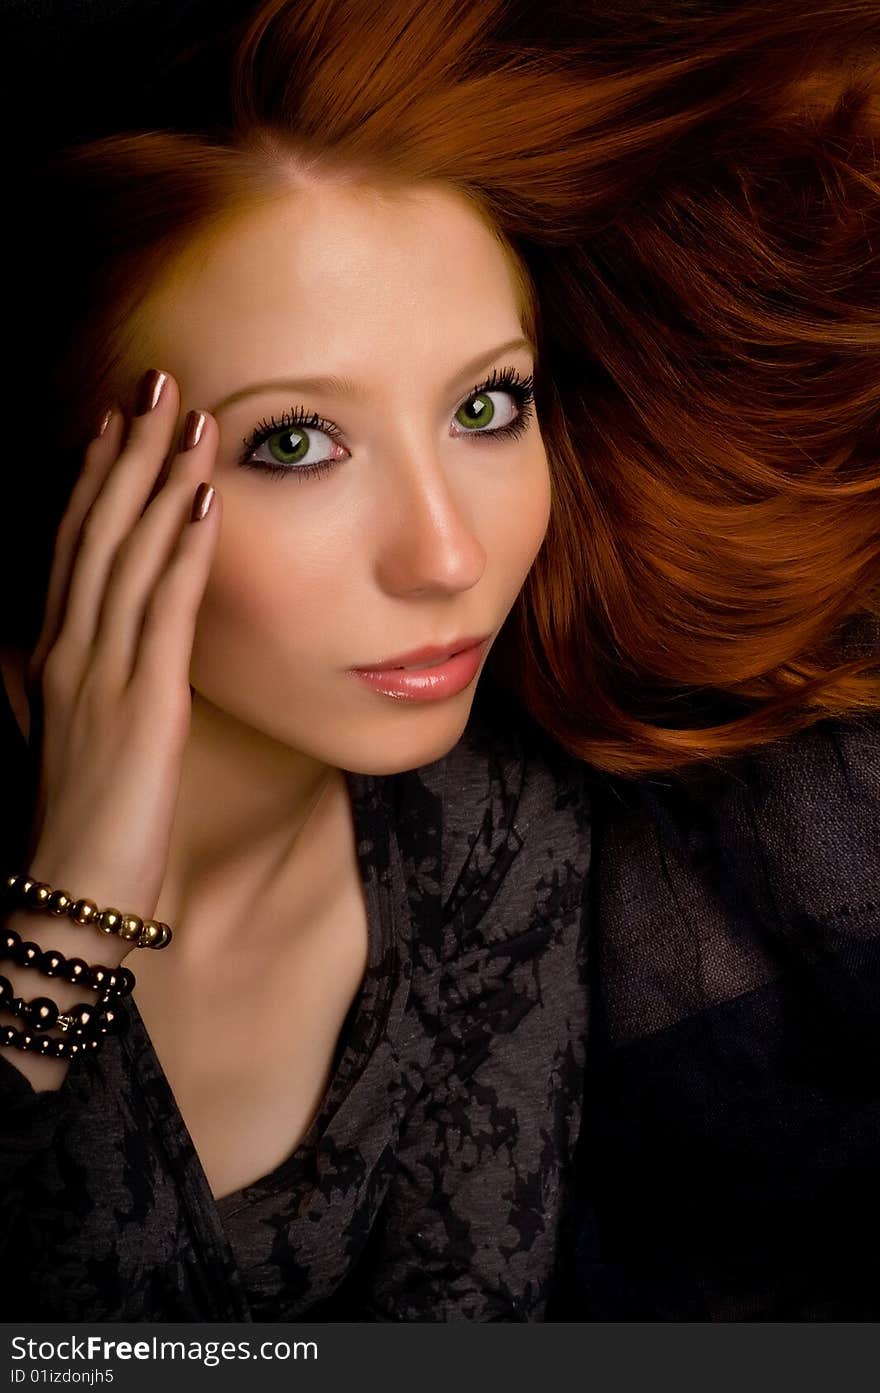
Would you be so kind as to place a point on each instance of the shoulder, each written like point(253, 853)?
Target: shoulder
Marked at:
point(786, 837)
point(810, 813)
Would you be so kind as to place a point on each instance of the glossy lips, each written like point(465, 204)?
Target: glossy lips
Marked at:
point(446, 679)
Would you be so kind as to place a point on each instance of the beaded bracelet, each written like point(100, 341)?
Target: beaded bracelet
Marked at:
point(118, 981)
point(51, 1046)
point(87, 1023)
point(21, 891)
point(41, 1013)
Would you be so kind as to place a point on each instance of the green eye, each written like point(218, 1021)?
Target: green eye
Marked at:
point(482, 416)
point(285, 453)
point(293, 447)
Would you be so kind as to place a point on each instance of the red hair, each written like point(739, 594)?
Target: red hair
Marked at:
point(691, 197)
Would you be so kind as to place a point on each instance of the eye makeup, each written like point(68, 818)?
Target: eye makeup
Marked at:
point(297, 423)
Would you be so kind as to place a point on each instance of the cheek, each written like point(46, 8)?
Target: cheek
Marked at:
point(267, 579)
point(520, 530)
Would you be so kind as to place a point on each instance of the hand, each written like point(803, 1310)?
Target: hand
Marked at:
point(111, 664)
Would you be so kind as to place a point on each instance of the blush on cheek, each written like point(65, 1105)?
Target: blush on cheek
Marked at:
point(235, 593)
point(516, 544)
point(256, 656)
point(531, 519)
point(266, 577)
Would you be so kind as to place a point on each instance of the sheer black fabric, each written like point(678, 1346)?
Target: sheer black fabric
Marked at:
point(730, 1150)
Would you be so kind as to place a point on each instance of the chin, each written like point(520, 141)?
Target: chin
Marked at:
point(417, 737)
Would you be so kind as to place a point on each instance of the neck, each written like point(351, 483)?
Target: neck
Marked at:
point(248, 819)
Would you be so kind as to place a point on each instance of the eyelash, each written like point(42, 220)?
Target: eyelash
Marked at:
point(508, 380)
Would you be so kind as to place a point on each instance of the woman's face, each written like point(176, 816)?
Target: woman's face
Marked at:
point(402, 514)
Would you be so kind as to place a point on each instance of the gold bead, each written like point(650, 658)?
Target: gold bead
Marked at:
point(159, 936)
point(151, 931)
point(130, 928)
point(109, 920)
point(24, 886)
point(156, 933)
point(59, 902)
point(10, 882)
point(37, 894)
point(84, 912)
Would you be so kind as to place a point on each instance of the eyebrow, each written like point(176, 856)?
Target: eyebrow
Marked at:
point(344, 387)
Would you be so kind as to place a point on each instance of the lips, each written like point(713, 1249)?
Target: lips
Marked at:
point(435, 678)
point(430, 655)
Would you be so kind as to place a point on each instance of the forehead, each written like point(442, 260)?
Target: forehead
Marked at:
point(318, 250)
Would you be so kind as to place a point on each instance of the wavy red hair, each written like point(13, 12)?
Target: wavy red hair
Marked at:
point(690, 195)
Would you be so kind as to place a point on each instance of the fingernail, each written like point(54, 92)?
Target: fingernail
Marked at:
point(150, 390)
point(105, 420)
point(192, 429)
point(201, 503)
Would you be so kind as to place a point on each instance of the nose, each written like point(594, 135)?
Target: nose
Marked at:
point(426, 542)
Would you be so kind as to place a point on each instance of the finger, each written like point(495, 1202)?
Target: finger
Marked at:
point(111, 518)
point(165, 648)
point(98, 460)
point(143, 558)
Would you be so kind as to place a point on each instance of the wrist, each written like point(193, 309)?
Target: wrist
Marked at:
point(33, 894)
point(82, 880)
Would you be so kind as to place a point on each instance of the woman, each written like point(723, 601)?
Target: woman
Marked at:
point(348, 943)
point(699, 571)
